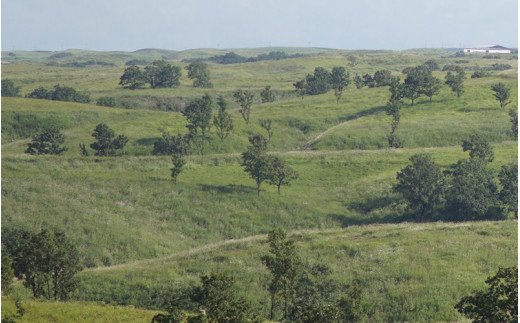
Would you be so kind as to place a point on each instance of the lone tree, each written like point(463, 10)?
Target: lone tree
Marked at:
point(285, 265)
point(422, 184)
point(107, 143)
point(319, 82)
point(199, 73)
point(162, 74)
point(280, 173)
point(456, 81)
point(513, 117)
point(415, 81)
point(198, 113)
point(478, 148)
point(245, 100)
point(301, 88)
point(267, 125)
point(255, 160)
point(501, 93)
point(9, 89)
point(499, 303)
point(222, 120)
point(393, 110)
point(358, 81)
point(178, 163)
point(432, 86)
point(340, 80)
point(508, 177)
point(133, 78)
point(49, 141)
point(267, 95)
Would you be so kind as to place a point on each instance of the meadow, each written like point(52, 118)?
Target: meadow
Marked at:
point(138, 233)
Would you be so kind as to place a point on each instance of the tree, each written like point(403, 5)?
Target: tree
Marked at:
point(178, 162)
point(245, 100)
point(301, 88)
point(499, 303)
point(267, 125)
point(396, 89)
point(161, 74)
point(66, 93)
point(7, 272)
point(340, 79)
point(172, 144)
point(222, 120)
point(473, 192)
point(49, 141)
point(513, 117)
point(358, 81)
point(40, 93)
point(219, 298)
point(255, 160)
point(415, 81)
point(267, 95)
point(199, 73)
point(432, 65)
point(393, 110)
point(106, 101)
point(456, 81)
point(280, 173)
point(508, 177)
point(478, 147)
point(133, 78)
point(382, 78)
point(432, 86)
point(284, 264)
point(9, 89)
point(198, 113)
point(107, 144)
point(501, 93)
point(368, 80)
point(422, 184)
point(319, 82)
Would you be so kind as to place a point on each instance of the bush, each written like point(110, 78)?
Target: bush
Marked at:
point(107, 144)
point(47, 142)
point(59, 93)
point(106, 101)
point(9, 89)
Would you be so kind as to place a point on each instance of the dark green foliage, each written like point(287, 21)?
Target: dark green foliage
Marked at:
point(47, 142)
point(479, 72)
point(255, 160)
point(267, 125)
point(382, 78)
point(415, 82)
point(432, 65)
point(499, 303)
point(107, 144)
point(340, 79)
point(199, 73)
point(178, 162)
point(106, 101)
point(245, 100)
point(319, 82)
point(452, 68)
point(219, 298)
point(499, 67)
point(136, 61)
point(198, 114)
point(285, 266)
point(513, 117)
point(222, 120)
point(368, 80)
point(501, 93)
point(478, 148)
point(47, 261)
point(431, 87)
point(59, 93)
point(228, 58)
point(456, 81)
point(267, 95)
point(161, 74)
point(301, 88)
point(473, 191)
point(9, 89)
point(396, 90)
point(7, 272)
point(233, 58)
point(172, 144)
point(508, 177)
point(393, 110)
point(280, 173)
point(133, 78)
point(422, 184)
point(358, 81)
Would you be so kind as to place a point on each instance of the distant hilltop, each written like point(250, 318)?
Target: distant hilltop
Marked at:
point(489, 49)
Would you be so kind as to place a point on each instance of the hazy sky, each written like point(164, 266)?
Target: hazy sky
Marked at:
point(183, 24)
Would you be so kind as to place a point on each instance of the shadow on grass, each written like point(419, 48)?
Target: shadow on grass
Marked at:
point(146, 141)
point(228, 189)
point(363, 113)
point(345, 220)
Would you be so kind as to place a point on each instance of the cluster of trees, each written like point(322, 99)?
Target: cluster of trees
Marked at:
point(299, 292)
point(161, 74)
point(418, 81)
point(234, 58)
point(466, 191)
point(322, 81)
point(379, 79)
point(46, 261)
point(50, 141)
point(59, 93)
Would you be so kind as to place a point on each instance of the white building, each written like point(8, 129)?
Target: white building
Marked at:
point(488, 49)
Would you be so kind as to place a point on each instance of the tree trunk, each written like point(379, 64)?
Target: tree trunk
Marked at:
point(258, 189)
point(278, 189)
point(271, 314)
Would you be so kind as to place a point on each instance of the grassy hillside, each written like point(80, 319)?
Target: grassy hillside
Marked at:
point(41, 311)
point(408, 272)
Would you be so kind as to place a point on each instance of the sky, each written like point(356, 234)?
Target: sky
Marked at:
point(188, 24)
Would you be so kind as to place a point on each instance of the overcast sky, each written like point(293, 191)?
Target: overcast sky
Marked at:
point(185, 24)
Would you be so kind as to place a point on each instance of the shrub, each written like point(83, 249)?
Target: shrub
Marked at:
point(106, 101)
point(107, 144)
point(9, 89)
point(47, 142)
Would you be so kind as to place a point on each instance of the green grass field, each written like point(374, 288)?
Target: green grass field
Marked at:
point(138, 232)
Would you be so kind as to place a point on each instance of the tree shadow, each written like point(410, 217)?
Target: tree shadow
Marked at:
point(371, 203)
point(146, 141)
point(363, 113)
point(228, 189)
